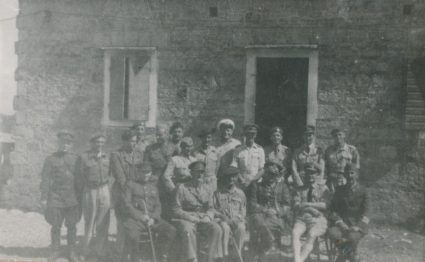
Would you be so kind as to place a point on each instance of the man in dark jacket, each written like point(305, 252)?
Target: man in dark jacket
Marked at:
point(141, 209)
point(269, 201)
point(60, 192)
point(348, 219)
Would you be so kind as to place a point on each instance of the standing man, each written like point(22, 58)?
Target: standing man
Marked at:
point(349, 223)
point(194, 212)
point(158, 155)
point(269, 202)
point(61, 195)
point(141, 211)
point(230, 204)
point(125, 164)
point(249, 158)
point(307, 156)
point(337, 156)
point(226, 145)
point(177, 171)
point(93, 171)
point(277, 152)
point(139, 129)
point(208, 154)
point(311, 202)
point(176, 132)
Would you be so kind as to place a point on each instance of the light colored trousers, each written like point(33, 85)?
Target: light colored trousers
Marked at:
point(96, 211)
point(237, 233)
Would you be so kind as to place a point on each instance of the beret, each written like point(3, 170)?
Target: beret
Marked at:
point(187, 141)
point(65, 134)
point(197, 166)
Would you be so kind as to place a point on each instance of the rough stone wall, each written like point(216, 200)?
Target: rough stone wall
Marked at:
point(363, 48)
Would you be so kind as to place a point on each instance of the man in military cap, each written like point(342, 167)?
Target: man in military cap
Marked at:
point(141, 209)
point(125, 165)
point(208, 153)
point(230, 204)
point(93, 171)
point(139, 128)
point(177, 171)
point(176, 132)
point(306, 156)
point(226, 144)
point(194, 212)
point(269, 201)
point(337, 156)
point(348, 220)
point(311, 202)
point(249, 158)
point(60, 194)
point(277, 152)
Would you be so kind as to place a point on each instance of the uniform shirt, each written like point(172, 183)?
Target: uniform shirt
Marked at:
point(338, 157)
point(263, 195)
point(156, 158)
point(225, 154)
point(141, 198)
point(304, 155)
point(125, 166)
point(210, 158)
point(93, 169)
point(59, 185)
point(231, 203)
point(193, 200)
point(280, 154)
point(177, 171)
point(317, 192)
point(249, 161)
point(350, 205)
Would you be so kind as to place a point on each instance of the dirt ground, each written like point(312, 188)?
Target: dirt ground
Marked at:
point(25, 237)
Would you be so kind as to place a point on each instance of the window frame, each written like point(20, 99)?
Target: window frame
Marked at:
point(153, 86)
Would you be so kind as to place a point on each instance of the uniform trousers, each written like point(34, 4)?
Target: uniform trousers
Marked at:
point(187, 234)
point(347, 241)
point(96, 211)
point(234, 230)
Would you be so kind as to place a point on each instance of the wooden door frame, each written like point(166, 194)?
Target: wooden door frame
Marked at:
point(283, 51)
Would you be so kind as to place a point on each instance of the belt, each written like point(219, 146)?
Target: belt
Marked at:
point(95, 186)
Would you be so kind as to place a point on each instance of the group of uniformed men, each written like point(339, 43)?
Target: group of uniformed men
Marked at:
point(178, 194)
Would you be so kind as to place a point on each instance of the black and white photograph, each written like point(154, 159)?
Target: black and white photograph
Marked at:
point(212, 130)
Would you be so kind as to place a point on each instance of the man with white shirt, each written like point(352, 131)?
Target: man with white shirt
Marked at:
point(249, 158)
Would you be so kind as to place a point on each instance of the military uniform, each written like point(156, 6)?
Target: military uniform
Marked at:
point(93, 170)
point(349, 206)
point(225, 153)
point(156, 158)
point(62, 191)
point(231, 203)
point(124, 167)
point(193, 201)
point(314, 222)
point(279, 154)
point(269, 211)
point(249, 161)
point(336, 158)
point(302, 158)
point(210, 157)
point(142, 199)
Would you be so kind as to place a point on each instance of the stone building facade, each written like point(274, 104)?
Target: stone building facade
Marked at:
point(348, 64)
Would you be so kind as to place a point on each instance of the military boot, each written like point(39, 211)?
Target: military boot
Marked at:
point(55, 239)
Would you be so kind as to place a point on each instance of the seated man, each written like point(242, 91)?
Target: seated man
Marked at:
point(310, 205)
point(230, 204)
point(193, 212)
point(269, 202)
point(348, 215)
point(141, 210)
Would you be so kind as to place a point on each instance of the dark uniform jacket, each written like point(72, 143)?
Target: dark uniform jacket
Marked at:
point(156, 158)
point(350, 205)
point(93, 170)
point(125, 166)
point(59, 185)
point(141, 198)
point(263, 195)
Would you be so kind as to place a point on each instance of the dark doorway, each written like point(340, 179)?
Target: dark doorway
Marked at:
point(281, 98)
